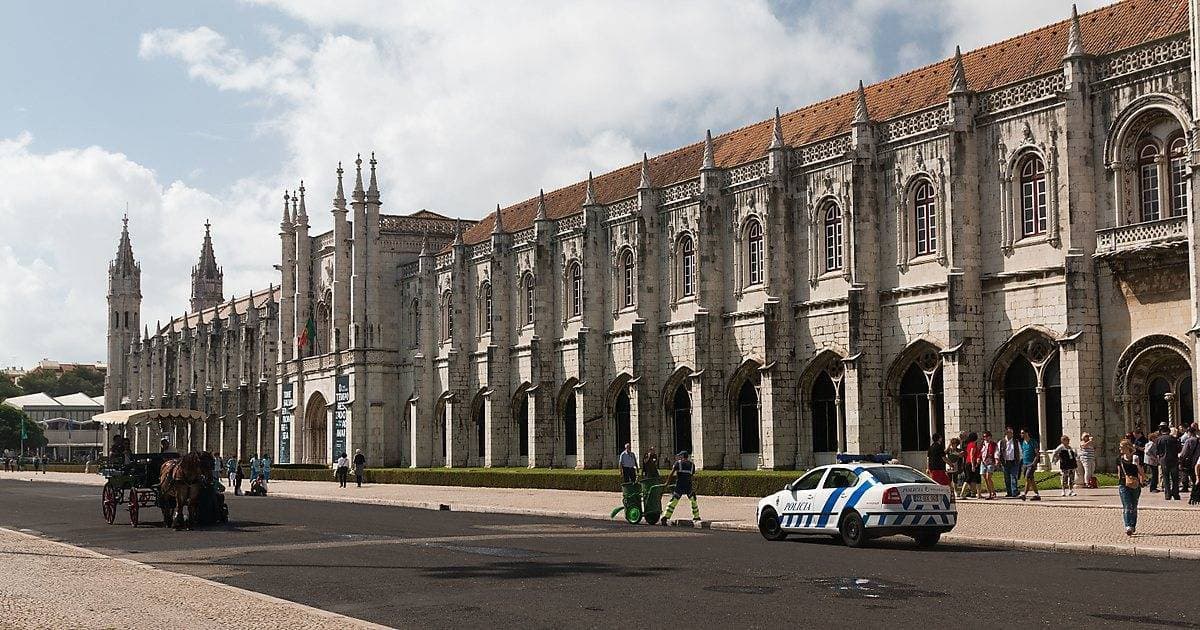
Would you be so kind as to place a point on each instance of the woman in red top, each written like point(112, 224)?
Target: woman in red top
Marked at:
point(971, 460)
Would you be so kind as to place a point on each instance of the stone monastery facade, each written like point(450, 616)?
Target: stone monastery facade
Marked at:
point(1000, 238)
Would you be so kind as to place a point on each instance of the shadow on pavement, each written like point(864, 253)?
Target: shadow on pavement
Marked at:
point(526, 570)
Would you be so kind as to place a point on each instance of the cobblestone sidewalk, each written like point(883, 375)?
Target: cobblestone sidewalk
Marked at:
point(48, 584)
point(1090, 522)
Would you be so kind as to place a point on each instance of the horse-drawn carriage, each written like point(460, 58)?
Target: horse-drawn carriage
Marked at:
point(136, 481)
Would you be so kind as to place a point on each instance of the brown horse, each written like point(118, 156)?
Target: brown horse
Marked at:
point(182, 480)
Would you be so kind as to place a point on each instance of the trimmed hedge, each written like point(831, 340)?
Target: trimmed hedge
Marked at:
point(742, 483)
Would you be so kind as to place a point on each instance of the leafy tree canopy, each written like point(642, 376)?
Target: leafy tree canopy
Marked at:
point(84, 379)
point(10, 430)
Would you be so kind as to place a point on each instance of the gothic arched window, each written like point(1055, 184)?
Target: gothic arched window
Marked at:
point(527, 285)
point(627, 277)
point(1148, 186)
point(687, 267)
point(833, 237)
point(1033, 197)
point(447, 317)
point(754, 252)
point(485, 296)
point(416, 325)
point(575, 289)
point(925, 218)
point(1178, 171)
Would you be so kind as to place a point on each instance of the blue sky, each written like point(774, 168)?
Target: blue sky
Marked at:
point(207, 110)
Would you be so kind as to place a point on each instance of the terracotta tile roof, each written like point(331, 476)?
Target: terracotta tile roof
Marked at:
point(1106, 30)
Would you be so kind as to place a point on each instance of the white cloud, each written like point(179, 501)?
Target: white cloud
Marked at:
point(60, 219)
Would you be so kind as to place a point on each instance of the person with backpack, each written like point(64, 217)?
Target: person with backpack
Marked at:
point(1068, 461)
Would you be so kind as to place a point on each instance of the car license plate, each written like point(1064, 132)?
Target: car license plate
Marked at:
point(926, 498)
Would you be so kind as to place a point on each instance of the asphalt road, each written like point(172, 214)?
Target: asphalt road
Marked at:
point(419, 568)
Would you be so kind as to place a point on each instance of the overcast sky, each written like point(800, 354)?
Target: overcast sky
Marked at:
point(187, 111)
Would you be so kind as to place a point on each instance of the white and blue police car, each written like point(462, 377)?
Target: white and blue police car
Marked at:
point(860, 501)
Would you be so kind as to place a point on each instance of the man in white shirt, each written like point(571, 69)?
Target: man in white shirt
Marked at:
point(628, 462)
point(1010, 460)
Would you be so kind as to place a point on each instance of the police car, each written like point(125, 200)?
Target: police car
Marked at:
point(859, 501)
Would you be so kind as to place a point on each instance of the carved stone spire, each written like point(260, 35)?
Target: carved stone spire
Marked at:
point(300, 212)
point(541, 206)
point(424, 244)
point(958, 80)
point(288, 219)
point(498, 224)
point(207, 277)
point(458, 232)
point(124, 264)
point(373, 187)
point(359, 195)
point(339, 198)
point(1074, 36)
point(708, 162)
point(589, 196)
point(777, 132)
point(861, 114)
point(645, 182)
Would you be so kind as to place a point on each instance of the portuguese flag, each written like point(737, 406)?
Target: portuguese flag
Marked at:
point(308, 335)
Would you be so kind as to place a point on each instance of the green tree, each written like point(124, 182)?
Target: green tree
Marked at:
point(84, 379)
point(8, 388)
point(10, 429)
point(38, 380)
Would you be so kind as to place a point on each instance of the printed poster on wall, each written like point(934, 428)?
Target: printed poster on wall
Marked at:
point(284, 456)
point(341, 396)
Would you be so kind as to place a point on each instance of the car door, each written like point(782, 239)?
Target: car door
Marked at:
point(829, 499)
point(798, 510)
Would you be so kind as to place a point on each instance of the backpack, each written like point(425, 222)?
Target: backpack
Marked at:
point(1067, 459)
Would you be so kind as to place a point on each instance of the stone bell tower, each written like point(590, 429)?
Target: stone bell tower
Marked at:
point(207, 277)
point(124, 313)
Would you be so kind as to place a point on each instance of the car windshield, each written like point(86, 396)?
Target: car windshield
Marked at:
point(898, 474)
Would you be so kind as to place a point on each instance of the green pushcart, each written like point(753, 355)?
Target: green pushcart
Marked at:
point(641, 501)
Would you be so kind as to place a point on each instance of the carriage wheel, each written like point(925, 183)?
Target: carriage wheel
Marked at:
point(133, 507)
point(108, 501)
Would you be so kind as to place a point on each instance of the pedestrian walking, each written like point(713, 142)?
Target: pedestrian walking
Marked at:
point(341, 469)
point(238, 476)
point(935, 459)
point(682, 471)
point(266, 468)
point(627, 461)
point(1167, 448)
point(1149, 455)
point(1029, 456)
point(1187, 458)
point(255, 467)
point(970, 467)
point(1067, 460)
point(360, 466)
point(954, 456)
point(231, 466)
point(650, 464)
point(988, 463)
point(1087, 459)
point(1129, 471)
point(1010, 460)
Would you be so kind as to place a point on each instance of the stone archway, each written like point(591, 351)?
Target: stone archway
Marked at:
point(520, 416)
point(821, 411)
point(1025, 390)
point(914, 389)
point(478, 450)
point(568, 422)
point(745, 413)
point(316, 430)
point(1158, 366)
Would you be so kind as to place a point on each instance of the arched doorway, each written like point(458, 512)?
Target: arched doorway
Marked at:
point(1025, 374)
point(316, 430)
point(443, 430)
point(569, 427)
point(621, 418)
point(1153, 383)
point(747, 415)
point(681, 418)
point(480, 428)
point(824, 403)
point(521, 420)
point(920, 407)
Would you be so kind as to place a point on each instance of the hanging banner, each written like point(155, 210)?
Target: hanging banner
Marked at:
point(341, 400)
point(284, 456)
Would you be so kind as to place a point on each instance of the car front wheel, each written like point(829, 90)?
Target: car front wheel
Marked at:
point(852, 530)
point(769, 527)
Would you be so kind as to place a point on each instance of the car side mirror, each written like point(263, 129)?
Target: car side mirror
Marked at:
point(788, 487)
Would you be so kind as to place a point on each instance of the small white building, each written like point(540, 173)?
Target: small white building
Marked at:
point(67, 422)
